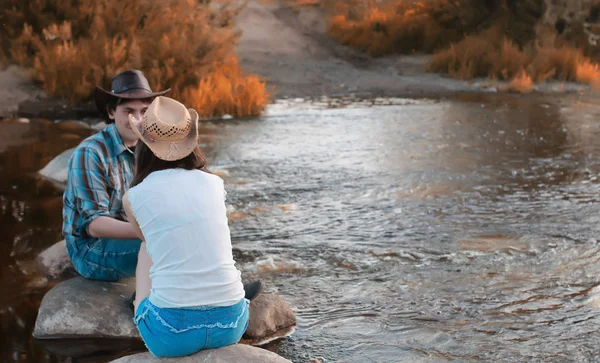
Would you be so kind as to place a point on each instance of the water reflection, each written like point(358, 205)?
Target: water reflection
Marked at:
point(30, 221)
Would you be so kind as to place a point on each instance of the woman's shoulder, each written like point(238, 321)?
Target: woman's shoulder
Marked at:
point(207, 176)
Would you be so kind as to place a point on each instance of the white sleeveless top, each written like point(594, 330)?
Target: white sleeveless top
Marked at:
point(183, 217)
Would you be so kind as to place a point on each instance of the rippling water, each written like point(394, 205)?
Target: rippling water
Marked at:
point(423, 231)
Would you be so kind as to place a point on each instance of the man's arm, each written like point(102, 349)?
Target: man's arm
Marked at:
point(88, 180)
point(108, 227)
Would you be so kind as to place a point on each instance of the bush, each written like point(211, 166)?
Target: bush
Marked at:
point(393, 28)
point(397, 26)
point(227, 90)
point(182, 44)
point(490, 54)
point(521, 83)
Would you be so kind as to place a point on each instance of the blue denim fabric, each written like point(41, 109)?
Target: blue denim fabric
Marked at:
point(179, 332)
point(105, 259)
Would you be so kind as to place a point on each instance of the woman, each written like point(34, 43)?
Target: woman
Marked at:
point(189, 294)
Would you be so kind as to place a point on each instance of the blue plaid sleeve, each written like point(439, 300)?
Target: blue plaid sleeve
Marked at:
point(87, 179)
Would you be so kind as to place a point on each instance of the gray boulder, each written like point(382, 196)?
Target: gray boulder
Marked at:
point(230, 354)
point(56, 171)
point(54, 262)
point(80, 308)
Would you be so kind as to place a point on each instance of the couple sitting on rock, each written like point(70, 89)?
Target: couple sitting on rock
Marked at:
point(164, 222)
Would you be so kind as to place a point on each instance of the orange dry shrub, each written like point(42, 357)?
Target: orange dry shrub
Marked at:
point(404, 26)
point(490, 54)
point(521, 83)
point(177, 43)
point(392, 28)
point(588, 73)
point(228, 91)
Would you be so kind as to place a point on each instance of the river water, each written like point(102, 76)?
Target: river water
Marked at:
point(462, 229)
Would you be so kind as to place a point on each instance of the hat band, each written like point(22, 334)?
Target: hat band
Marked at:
point(131, 89)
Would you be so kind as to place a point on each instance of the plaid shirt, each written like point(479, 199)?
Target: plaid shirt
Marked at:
point(100, 172)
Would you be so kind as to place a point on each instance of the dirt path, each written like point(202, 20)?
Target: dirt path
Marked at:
point(293, 52)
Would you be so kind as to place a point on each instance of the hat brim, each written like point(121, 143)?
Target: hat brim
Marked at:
point(168, 150)
point(102, 97)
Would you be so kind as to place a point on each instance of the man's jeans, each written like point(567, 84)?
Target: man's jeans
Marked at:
point(104, 259)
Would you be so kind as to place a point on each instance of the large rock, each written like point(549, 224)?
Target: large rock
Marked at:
point(230, 354)
point(81, 308)
point(54, 262)
point(85, 310)
point(271, 317)
point(56, 171)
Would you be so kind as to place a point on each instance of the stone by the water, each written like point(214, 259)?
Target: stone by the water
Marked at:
point(54, 262)
point(56, 171)
point(271, 317)
point(73, 125)
point(229, 354)
point(81, 308)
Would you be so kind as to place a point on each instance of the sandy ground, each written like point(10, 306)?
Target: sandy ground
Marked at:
point(291, 50)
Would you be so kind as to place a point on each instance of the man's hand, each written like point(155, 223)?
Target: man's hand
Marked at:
point(107, 227)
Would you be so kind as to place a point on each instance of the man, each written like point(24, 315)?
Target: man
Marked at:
point(101, 243)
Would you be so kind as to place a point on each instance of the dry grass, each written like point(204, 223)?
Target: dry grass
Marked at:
point(389, 28)
point(182, 44)
point(486, 55)
point(490, 54)
point(588, 73)
point(404, 26)
point(227, 90)
point(521, 83)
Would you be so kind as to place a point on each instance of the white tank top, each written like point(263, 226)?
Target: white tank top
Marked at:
point(183, 217)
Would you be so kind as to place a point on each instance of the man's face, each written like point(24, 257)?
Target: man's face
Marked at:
point(136, 108)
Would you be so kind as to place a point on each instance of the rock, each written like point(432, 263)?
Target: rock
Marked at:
point(54, 262)
point(73, 125)
point(229, 354)
point(80, 308)
point(99, 126)
point(56, 171)
point(271, 318)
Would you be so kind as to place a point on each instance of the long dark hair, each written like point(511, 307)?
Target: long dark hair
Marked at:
point(146, 162)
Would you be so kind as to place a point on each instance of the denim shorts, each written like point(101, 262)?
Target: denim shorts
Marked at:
point(177, 332)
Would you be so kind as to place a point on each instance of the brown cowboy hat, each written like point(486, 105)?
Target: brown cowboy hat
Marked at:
point(130, 85)
point(168, 128)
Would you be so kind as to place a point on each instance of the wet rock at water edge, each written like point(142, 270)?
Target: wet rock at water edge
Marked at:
point(81, 310)
point(271, 318)
point(56, 171)
point(229, 354)
point(54, 262)
point(70, 125)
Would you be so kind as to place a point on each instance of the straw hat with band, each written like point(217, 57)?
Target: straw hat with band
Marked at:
point(168, 128)
point(129, 85)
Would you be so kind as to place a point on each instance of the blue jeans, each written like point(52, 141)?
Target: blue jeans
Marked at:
point(179, 332)
point(104, 259)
